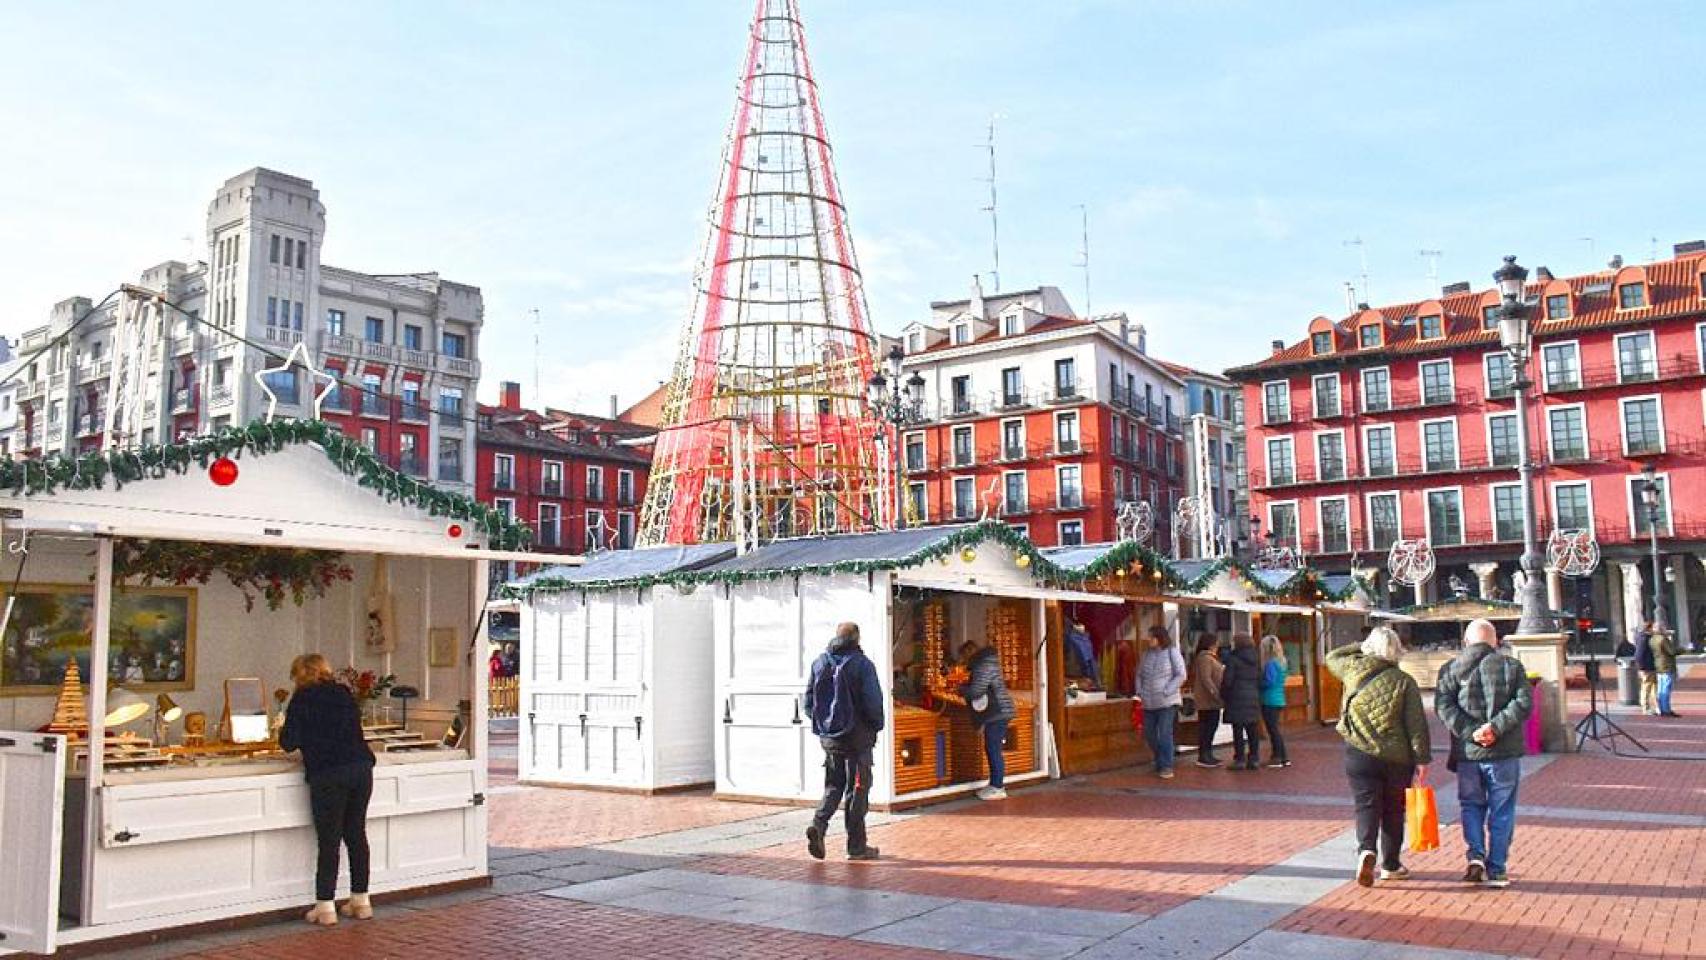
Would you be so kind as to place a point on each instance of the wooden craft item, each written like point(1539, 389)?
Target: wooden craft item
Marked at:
point(70, 713)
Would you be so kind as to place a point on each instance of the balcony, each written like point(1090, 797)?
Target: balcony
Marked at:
point(419, 359)
point(547, 535)
point(624, 498)
point(183, 400)
point(1016, 506)
point(503, 481)
point(1329, 411)
point(373, 405)
point(89, 372)
point(90, 424)
point(283, 336)
point(550, 488)
point(1174, 425)
point(916, 464)
point(1677, 366)
point(340, 344)
point(595, 492)
point(1414, 399)
point(221, 395)
point(458, 366)
point(1065, 393)
point(413, 412)
point(1069, 500)
point(450, 469)
point(963, 457)
point(338, 400)
point(1013, 401)
point(412, 465)
point(449, 419)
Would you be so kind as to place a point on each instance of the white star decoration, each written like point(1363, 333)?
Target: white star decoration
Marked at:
point(298, 357)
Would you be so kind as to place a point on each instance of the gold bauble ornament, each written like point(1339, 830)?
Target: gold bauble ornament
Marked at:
point(1022, 561)
point(968, 554)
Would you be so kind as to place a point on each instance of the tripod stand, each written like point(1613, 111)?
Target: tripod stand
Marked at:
point(1597, 726)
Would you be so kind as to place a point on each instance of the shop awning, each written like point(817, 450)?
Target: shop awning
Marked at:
point(1253, 606)
point(1362, 612)
point(1009, 590)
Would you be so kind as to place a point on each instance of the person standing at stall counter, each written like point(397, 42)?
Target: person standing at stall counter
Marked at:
point(1206, 674)
point(845, 701)
point(991, 709)
point(1160, 675)
point(324, 723)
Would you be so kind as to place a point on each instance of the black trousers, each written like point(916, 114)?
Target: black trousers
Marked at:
point(338, 799)
point(1208, 724)
point(1378, 788)
point(846, 777)
point(1244, 744)
point(1276, 739)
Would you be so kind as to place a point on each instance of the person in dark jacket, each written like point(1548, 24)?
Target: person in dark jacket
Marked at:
point(1484, 701)
point(1241, 690)
point(1645, 665)
point(1663, 643)
point(1387, 746)
point(845, 702)
point(1206, 670)
point(991, 709)
point(324, 723)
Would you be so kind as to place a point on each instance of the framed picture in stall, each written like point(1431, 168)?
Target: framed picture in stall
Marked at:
point(151, 646)
point(441, 647)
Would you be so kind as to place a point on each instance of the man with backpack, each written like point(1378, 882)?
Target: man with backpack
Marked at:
point(1484, 701)
point(845, 701)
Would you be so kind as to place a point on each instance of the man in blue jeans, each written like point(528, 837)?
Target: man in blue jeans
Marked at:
point(1484, 701)
point(991, 709)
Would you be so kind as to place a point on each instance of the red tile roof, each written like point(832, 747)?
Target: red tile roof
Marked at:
point(1673, 290)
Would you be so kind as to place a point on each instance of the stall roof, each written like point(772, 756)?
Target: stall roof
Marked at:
point(1464, 609)
point(624, 566)
point(888, 549)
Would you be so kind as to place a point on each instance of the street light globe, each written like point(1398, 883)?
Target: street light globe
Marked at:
point(876, 390)
point(1511, 278)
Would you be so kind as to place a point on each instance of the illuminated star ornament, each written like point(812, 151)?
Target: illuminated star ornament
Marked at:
point(298, 357)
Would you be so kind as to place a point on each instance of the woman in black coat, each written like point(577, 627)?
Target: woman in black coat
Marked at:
point(324, 723)
point(1241, 689)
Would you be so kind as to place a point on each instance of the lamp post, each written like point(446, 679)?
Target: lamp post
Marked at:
point(1651, 494)
point(897, 406)
point(1516, 337)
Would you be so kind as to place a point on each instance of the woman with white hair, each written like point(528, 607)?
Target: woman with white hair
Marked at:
point(1386, 746)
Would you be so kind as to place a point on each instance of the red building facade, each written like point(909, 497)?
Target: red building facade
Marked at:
point(1400, 421)
point(575, 479)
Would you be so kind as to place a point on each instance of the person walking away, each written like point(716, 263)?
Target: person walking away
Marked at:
point(845, 702)
point(1274, 672)
point(324, 724)
point(1206, 672)
point(1664, 670)
point(1387, 747)
point(1160, 675)
point(1483, 699)
point(1241, 690)
point(991, 710)
point(1644, 662)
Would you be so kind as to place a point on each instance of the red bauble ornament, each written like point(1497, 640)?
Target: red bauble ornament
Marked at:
point(223, 472)
point(455, 531)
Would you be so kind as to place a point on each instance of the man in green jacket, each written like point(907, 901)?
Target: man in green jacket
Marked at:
point(1386, 746)
point(1484, 701)
point(1664, 668)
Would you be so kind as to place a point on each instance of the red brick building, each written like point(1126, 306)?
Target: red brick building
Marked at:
point(1044, 418)
point(571, 477)
point(1400, 421)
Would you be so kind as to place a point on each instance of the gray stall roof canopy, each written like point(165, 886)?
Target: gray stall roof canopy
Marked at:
point(619, 566)
point(816, 554)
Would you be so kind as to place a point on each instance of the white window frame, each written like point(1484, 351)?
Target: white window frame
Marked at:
point(1700, 344)
point(962, 333)
point(1060, 530)
point(594, 470)
point(1362, 388)
point(1493, 511)
point(1436, 316)
point(498, 460)
point(1428, 518)
point(505, 506)
point(1380, 341)
point(1487, 429)
point(1010, 324)
point(1268, 458)
point(1587, 439)
point(1024, 439)
point(1487, 373)
point(587, 527)
point(915, 342)
point(1344, 456)
point(922, 438)
point(954, 434)
point(1265, 385)
point(1083, 501)
point(1315, 395)
point(954, 496)
point(1623, 422)
point(1368, 513)
point(1646, 295)
point(1296, 517)
point(1024, 488)
point(1422, 443)
point(625, 519)
point(541, 526)
point(633, 490)
point(1023, 529)
point(1064, 416)
point(1367, 461)
point(923, 499)
point(1617, 353)
point(1422, 378)
point(1587, 485)
point(1633, 502)
point(1321, 526)
point(1540, 357)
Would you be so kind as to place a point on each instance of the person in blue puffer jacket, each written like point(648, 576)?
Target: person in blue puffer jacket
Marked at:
point(1274, 671)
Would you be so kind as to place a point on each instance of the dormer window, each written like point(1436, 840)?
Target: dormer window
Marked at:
point(1703, 286)
point(1011, 324)
point(1558, 306)
point(1321, 342)
point(1368, 335)
point(962, 333)
point(1631, 296)
point(1490, 317)
point(915, 342)
point(1430, 327)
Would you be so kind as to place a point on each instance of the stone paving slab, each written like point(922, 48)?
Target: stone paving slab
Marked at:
point(931, 933)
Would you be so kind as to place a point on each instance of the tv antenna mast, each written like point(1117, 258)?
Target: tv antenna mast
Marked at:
point(1362, 252)
point(538, 401)
point(1084, 254)
point(1432, 257)
point(994, 223)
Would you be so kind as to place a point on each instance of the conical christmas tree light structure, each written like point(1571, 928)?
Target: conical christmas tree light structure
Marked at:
point(765, 430)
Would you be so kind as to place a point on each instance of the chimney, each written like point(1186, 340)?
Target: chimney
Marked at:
point(1139, 338)
point(1543, 274)
point(976, 307)
point(613, 410)
point(1350, 297)
point(1461, 286)
point(1692, 246)
point(509, 395)
point(1278, 345)
point(1616, 262)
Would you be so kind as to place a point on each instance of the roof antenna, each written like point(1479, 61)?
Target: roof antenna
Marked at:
point(1433, 268)
point(1350, 297)
point(994, 224)
point(1362, 251)
point(538, 401)
point(1589, 242)
point(1084, 255)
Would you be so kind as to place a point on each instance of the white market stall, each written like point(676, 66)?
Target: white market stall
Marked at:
point(111, 830)
point(616, 671)
point(916, 595)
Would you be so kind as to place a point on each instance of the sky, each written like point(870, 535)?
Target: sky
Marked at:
point(561, 156)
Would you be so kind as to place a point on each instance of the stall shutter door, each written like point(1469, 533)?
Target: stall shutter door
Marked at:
point(630, 758)
point(32, 794)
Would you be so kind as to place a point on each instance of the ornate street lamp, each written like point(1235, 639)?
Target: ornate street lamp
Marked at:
point(1652, 493)
point(898, 406)
point(1517, 337)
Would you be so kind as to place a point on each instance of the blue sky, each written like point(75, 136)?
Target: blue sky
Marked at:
point(562, 155)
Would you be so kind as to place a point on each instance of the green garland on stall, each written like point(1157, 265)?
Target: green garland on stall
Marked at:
point(91, 471)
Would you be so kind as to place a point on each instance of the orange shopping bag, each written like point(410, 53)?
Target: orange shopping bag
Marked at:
point(1421, 819)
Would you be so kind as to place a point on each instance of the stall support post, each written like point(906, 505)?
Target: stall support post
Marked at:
point(476, 670)
point(99, 645)
point(1051, 621)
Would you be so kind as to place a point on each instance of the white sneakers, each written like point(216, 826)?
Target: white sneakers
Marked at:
point(992, 793)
